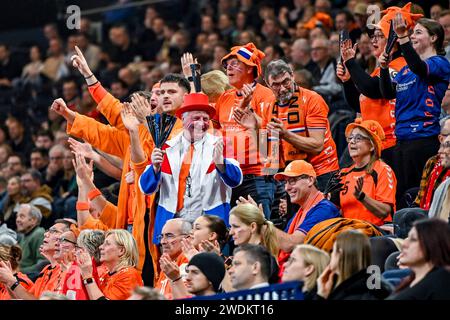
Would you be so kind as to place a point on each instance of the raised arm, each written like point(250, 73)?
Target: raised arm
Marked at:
point(415, 63)
point(387, 89)
point(86, 150)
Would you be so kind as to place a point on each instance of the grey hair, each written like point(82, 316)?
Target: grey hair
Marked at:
point(276, 68)
point(443, 121)
point(35, 212)
point(303, 43)
point(92, 240)
point(186, 226)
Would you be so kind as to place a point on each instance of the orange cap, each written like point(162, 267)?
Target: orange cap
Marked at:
point(295, 169)
point(248, 54)
point(389, 14)
point(373, 128)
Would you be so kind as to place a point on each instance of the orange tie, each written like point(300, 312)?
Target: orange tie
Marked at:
point(184, 173)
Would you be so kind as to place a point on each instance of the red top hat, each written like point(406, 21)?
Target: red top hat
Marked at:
point(196, 102)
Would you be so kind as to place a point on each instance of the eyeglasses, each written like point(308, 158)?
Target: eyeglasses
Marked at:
point(169, 236)
point(286, 83)
point(377, 36)
point(234, 64)
point(54, 231)
point(56, 158)
point(318, 48)
point(446, 145)
point(357, 137)
point(292, 181)
point(62, 239)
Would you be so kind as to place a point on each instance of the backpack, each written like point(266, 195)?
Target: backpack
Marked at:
point(323, 234)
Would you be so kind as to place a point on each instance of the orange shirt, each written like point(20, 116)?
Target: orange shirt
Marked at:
point(382, 110)
point(24, 281)
point(163, 283)
point(246, 146)
point(48, 280)
point(305, 112)
point(119, 285)
point(381, 185)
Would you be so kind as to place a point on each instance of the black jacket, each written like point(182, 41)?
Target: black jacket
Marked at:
point(356, 288)
point(434, 286)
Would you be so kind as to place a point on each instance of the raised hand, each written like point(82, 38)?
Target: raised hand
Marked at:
point(247, 93)
point(79, 62)
point(60, 107)
point(347, 51)
point(141, 107)
point(83, 170)
point(128, 118)
point(342, 72)
point(84, 261)
point(186, 60)
point(325, 282)
point(170, 268)
point(157, 158)
point(7, 277)
point(83, 149)
point(246, 118)
point(208, 246)
point(250, 200)
point(218, 152)
point(399, 25)
point(384, 59)
point(358, 188)
point(276, 126)
point(188, 248)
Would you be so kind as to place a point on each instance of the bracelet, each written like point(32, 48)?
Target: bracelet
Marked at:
point(190, 78)
point(361, 197)
point(14, 285)
point(92, 84)
point(176, 279)
point(81, 206)
point(88, 280)
point(94, 193)
point(89, 76)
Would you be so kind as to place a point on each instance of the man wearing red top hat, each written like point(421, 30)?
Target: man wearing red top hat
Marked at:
point(247, 101)
point(192, 168)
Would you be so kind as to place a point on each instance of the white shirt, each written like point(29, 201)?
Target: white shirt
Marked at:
point(193, 195)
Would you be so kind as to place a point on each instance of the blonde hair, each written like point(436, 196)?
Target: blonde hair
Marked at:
point(214, 83)
point(313, 256)
point(124, 239)
point(354, 253)
point(248, 214)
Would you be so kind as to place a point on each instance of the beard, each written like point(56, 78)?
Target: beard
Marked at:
point(284, 97)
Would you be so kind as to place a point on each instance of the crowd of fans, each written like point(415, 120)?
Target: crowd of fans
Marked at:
point(311, 155)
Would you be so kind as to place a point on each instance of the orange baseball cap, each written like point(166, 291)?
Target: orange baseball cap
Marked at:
point(248, 54)
point(295, 169)
point(373, 128)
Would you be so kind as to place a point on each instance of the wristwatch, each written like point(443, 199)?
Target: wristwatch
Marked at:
point(361, 197)
point(88, 280)
point(14, 285)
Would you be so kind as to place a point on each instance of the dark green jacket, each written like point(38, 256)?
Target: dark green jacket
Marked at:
point(30, 244)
